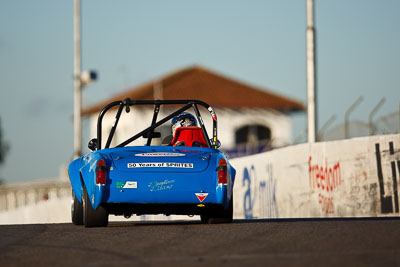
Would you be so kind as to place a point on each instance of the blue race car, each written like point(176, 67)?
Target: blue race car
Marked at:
point(187, 175)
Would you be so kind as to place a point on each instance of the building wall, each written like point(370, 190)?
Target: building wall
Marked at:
point(229, 121)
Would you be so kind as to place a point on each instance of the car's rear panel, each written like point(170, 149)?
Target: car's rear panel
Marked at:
point(166, 175)
point(171, 187)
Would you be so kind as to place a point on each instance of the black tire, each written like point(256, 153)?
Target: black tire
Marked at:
point(226, 216)
point(93, 217)
point(204, 218)
point(76, 210)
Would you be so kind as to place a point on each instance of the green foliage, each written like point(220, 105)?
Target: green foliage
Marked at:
point(4, 147)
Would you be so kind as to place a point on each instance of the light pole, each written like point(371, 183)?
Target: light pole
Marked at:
point(311, 74)
point(80, 80)
point(77, 80)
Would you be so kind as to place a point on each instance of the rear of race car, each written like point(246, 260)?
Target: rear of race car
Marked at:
point(159, 180)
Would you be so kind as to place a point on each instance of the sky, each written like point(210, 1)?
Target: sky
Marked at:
point(129, 42)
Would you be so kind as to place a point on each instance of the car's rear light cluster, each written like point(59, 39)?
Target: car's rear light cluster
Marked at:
point(101, 172)
point(222, 171)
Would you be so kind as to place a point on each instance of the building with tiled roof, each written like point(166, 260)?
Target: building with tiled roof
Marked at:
point(247, 116)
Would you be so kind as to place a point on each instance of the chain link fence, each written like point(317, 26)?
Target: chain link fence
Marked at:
point(387, 124)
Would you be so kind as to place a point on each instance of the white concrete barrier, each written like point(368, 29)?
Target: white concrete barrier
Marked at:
point(58, 210)
point(356, 177)
point(54, 210)
point(24, 194)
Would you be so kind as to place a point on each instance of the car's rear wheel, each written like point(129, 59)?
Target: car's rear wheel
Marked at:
point(226, 216)
point(93, 217)
point(76, 210)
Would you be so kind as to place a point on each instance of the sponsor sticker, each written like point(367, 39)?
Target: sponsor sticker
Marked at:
point(160, 165)
point(127, 184)
point(201, 196)
point(160, 154)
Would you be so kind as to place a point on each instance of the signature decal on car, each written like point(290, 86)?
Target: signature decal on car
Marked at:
point(127, 184)
point(201, 196)
point(160, 154)
point(160, 165)
point(159, 186)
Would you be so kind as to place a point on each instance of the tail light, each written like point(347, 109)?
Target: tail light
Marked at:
point(222, 171)
point(101, 172)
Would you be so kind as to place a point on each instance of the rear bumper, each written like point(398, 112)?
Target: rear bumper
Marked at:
point(167, 209)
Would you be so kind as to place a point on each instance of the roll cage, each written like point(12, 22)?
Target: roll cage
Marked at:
point(95, 144)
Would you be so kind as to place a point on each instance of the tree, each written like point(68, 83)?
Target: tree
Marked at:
point(4, 147)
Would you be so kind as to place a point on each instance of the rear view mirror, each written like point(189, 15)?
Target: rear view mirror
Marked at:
point(92, 144)
point(218, 144)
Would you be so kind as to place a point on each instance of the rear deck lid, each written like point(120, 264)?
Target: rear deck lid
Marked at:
point(163, 159)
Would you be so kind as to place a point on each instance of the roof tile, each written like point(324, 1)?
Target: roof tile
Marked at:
point(198, 83)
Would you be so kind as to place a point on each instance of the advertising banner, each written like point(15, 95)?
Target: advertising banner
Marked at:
point(348, 178)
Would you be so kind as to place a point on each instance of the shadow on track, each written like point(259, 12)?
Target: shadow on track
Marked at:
point(249, 221)
point(152, 223)
point(320, 219)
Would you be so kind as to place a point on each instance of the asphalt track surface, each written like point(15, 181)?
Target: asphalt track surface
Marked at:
point(316, 242)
